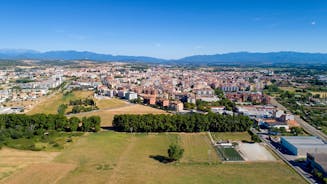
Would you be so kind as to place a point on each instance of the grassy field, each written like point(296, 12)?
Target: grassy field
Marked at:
point(110, 103)
point(107, 107)
point(107, 115)
point(49, 104)
point(54, 141)
point(198, 149)
point(127, 158)
point(12, 160)
point(232, 136)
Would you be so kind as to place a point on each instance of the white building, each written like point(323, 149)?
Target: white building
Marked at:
point(131, 95)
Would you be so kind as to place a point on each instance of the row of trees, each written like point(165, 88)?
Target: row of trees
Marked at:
point(87, 101)
point(80, 108)
point(205, 106)
point(181, 123)
point(16, 126)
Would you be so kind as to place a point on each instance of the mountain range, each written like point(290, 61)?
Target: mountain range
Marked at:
point(227, 58)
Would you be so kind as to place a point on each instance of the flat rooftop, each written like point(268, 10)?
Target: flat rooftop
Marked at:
point(303, 140)
point(321, 159)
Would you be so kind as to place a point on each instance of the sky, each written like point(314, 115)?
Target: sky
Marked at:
point(167, 29)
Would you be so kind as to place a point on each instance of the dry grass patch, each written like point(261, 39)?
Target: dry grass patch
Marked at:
point(95, 156)
point(108, 115)
point(12, 160)
point(111, 157)
point(49, 104)
point(40, 173)
point(110, 103)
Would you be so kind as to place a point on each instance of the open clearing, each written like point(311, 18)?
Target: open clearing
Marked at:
point(107, 107)
point(49, 104)
point(198, 148)
point(231, 136)
point(110, 103)
point(108, 115)
point(12, 160)
point(41, 173)
point(112, 157)
point(255, 152)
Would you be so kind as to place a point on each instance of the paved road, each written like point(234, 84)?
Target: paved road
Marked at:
point(306, 126)
point(307, 176)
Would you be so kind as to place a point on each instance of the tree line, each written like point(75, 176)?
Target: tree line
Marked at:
point(85, 102)
point(181, 123)
point(15, 126)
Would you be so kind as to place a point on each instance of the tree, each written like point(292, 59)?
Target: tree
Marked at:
point(61, 109)
point(296, 130)
point(219, 93)
point(175, 152)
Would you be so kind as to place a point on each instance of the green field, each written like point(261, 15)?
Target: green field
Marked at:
point(231, 136)
point(136, 158)
point(199, 149)
point(49, 104)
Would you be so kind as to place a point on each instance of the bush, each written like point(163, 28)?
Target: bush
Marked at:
point(175, 152)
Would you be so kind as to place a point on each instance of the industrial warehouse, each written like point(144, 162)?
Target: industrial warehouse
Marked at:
point(301, 145)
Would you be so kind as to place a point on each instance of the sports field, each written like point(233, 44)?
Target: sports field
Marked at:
point(111, 157)
point(228, 154)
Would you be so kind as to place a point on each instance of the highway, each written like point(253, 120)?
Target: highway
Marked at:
point(306, 126)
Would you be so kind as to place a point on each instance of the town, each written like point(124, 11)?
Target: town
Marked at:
point(163, 91)
point(181, 90)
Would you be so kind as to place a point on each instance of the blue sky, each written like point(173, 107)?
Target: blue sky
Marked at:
point(164, 28)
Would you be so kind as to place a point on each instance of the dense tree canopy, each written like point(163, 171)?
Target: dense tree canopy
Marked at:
point(15, 126)
point(181, 123)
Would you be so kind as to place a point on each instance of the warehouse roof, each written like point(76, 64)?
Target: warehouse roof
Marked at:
point(303, 140)
point(321, 159)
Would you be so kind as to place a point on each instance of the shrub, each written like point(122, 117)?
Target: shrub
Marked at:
point(175, 152)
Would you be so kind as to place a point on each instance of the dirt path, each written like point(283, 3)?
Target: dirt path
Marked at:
point(114, 178)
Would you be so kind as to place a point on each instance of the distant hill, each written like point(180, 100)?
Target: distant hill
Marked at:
point(228, 58)
point(71, 55)
point(258, 58)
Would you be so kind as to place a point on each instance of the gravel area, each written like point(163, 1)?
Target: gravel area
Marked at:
point(255, 152)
